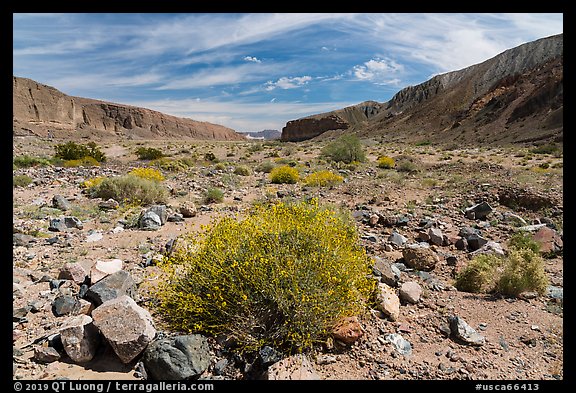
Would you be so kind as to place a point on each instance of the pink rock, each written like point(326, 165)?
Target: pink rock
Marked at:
point(348, 330)
point(104, 268)
point(74, 272)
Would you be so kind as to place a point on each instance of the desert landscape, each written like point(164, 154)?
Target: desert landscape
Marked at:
point(463, 168)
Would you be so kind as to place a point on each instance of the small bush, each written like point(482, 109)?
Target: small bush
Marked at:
point(407, 166)
point(545, 149)
point(147, 173)
point(92, 182)
point(284, 174)
point(74, 151)
point(523, 240)
point(213, 195)
point(345, 149)
point(130, 189)
point(423, 143)
point(166, 164)
point(242, 170)
point(282, 277)
point(521, 270)
point(21, 181)
point(210, 157)
point(265, 167)
point(149, 153)
point(26, 161)
point(323, 179)
point(85, 161)
point(386, 162)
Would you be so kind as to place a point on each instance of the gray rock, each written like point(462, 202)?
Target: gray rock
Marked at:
point(397, 239)
point(419, 258)
point(80, 338)
point(149, 221)
point(476, 242)
point(110, 287)
point(555, 292)
point(161, 211)
point(126, 326)
point(177, 358)
point(176, 217)
point(21, 239)
point(19, 314)
point(220, 366)
point(466, 232)
point(479, 211)
point(388, 273)
point(46, 354)
point(388, 302)
point(401, 345)
point(410, 292)
point(436, 236)
point(531, 228)
point(62, 224)
point(268, 356)
point(59, 202)
point(295, 367)
point(463, 332)
point(490, 247)
point(109, 204)
point(74, 272)
point(65, 305)
point(462, 244)
point(94, 237)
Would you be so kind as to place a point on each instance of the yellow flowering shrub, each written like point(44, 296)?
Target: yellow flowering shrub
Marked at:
point(284, 174)
point(281, 276)
point(323, 179)
point(92, 182)
point(147, 173)
point(386, 162)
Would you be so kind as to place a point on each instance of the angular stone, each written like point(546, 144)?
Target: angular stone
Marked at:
point(397, 239)
point(109, 204)
point(110, 287)
point(388, 273)
point(295, 367)
point(490, 247)
point(187, 209)
point(176, 217)
point(348, 330)
point(461, 244)
point(479, 211)
point(268, 356)
point(103, 269)
point(419, 258)
point(177, 358)
point(62, 224)
point(462, 331)
point(550, 241)
point(21, 239)
point(149, 221)
point(410, 292)
point(74, 272)
point(435, 235)
point(65, 305)
point(59, 202)
point(80, 338)
point(401, 345)
point(161, 211)
point(46, 354)
point(388, 302)
point(126, 326)
point(374, 218)
point(94, 237)
point(476, 242)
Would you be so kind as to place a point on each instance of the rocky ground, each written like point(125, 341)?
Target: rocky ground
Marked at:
point(460, 202)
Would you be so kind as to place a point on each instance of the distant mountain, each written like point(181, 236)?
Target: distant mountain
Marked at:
point(514, 97)
point(38, 108)
point(264, 134)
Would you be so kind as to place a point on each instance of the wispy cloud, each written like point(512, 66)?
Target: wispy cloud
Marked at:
point(379, 71)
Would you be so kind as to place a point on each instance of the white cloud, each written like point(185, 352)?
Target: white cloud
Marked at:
point(378, 70)
point(252, 59)
point(288, 83)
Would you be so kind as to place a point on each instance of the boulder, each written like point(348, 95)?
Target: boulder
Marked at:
point(348, 330)
point(419, 258)
point(103, 269)
point(80, 338)
point(388, 302)
point(410, 292)
point(113, 286)
point(74, 272)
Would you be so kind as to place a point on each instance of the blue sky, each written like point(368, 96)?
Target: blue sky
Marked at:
point(252, 72)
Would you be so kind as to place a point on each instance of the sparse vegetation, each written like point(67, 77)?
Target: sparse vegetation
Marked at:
point(347, 149)
point(26, 161)
point(130, 189)
point(242, 170)
point(74, 151)
point(84, 161)
point(21, 180)
point(147, 173)
point(281, 277)
point(386, 162)
point(149, 153)
point(265, 167)
point(545, 149)
point(323, 179)
point(213, 195)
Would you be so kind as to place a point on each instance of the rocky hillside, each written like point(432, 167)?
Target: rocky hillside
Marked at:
point(514, 97)
point(38, 108)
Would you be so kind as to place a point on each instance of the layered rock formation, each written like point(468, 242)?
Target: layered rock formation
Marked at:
point(514, 97)
point(38, 108)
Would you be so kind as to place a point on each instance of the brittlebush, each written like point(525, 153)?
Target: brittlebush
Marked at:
point(282, 276)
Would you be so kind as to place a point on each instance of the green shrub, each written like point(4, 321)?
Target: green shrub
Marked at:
point(242, 170)
point(167, 164)
point(149, 153)
point(220, 166)
point(345, 149)
point(423, 143)
point(549, 148)
point(407, 166)
point(523, 240)
point(265, 167)
point(21, 181)
point(520, 270)
point(284, 174)
point(130, 189)
point(323, 179)
point(26, 161)
point(74, 151)
point(282, 276)
point(386, 162)
point(210, 157)
point(213, 195)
